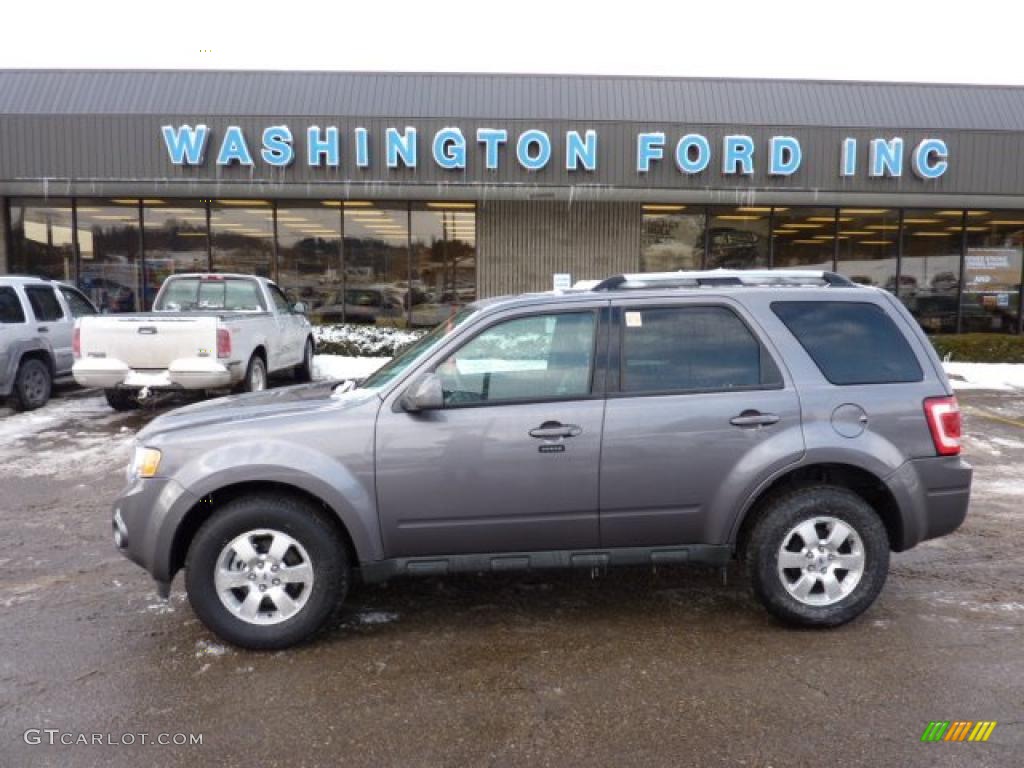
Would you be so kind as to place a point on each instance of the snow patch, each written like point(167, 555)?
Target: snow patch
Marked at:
point(207, 648)
point(1000, 377)
point(376, 617)
point(340, 368)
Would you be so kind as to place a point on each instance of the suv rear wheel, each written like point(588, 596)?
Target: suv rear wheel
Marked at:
point(122, 399)
point(267, 571)
point(818, 556)
point(33, 385)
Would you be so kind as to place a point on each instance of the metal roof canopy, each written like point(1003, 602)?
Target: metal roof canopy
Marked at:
point(197, 94)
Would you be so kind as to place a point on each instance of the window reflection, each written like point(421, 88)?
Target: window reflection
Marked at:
point(110, 269)
point(41, 239)
point(376, 266)
point(175, 241)
point(868, 245)
point(737, 238)
point(804, 237)
point(242, 236)
point(992, 271)
point(930, 274)
point(309, 254)
point(443, 248)
point(671, 238)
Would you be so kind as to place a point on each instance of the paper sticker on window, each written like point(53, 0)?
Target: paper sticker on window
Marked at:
point(634, 320)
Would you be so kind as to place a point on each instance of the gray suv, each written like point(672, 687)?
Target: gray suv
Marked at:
point(792, 420)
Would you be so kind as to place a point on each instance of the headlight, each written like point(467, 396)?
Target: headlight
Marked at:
point(145, 462)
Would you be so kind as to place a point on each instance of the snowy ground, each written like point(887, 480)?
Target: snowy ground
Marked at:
point(341, 368)
point(998, 377)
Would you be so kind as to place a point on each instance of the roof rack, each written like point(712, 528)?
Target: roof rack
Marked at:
point(724, 277)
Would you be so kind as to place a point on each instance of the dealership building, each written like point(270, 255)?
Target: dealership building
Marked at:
point(373, 196)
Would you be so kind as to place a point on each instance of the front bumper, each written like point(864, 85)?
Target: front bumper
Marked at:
point(186, 373)
point(933, 495)
point(145, 519)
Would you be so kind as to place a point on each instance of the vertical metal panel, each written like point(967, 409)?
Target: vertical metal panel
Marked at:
point(5, 235)
point(520, 245)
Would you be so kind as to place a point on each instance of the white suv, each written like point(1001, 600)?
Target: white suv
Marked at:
point(37, 319)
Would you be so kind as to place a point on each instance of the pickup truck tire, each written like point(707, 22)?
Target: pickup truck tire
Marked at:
point(304, 370)
point(798, 549)
point(33, 385)
point(121, 399)
point(267, 571)
point(255, 375)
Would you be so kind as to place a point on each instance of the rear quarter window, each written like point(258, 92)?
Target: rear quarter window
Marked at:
point(10, 306)
point(851, 342)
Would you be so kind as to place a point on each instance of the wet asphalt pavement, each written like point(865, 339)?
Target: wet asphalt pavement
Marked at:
point(628, 668)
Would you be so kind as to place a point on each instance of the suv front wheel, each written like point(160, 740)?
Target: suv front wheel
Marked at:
point(818, 556)
point(266, 571)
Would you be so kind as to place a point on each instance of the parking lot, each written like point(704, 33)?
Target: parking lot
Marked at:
point(622, 668)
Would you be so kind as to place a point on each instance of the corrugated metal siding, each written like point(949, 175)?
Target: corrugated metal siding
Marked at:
point(200, 94)
point(5, 258)
point(521, 245)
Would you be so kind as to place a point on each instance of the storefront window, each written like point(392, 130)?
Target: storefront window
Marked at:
point(110, 267)
point(41, 239)
point(376, 266)
point(737, 238)
point(868, 244)
point(242, 236)
point(175, 241)
point(804, 237)
point(443, 247)
point(930, 273)
point(309, 254)
point(671, 238)
point(992, 271)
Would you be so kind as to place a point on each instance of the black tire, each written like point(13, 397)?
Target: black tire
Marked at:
point(33, 385)
point(122, 399)
point(300, 520)
point(304, 371)
point(255, 375)
point(779, 518)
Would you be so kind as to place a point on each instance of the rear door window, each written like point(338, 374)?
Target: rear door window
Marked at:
point(10, 306)
point(851, 342)
point(76, 302)
point(44, 303)
point(691, 349)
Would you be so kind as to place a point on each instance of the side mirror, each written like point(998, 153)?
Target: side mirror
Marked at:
point(299, 308)
point(424, 394)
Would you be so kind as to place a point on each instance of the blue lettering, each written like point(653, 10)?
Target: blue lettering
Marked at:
point(738, 155)
point(491, 138)
point(785, 156)
point(886, 158)
point(450, 148)
point(693, 153)
point(277, 146)
point(533, 150)
point(581, 150)
point(233, 148)
point(186, 145)
point(931, 158)
point(648, 148)
point(401, 146)
point(320, 148)
point(362, 148)
point(848, 162)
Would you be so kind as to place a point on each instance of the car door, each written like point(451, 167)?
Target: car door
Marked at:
point(697, 406)
point(510, 463)
point(52, 323)
point(287, 344)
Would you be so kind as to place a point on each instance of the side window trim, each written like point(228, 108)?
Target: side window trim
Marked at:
point(593, 390)
point(619, 311)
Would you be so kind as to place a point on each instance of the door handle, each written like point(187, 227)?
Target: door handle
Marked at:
point(556, 429)
point(754, 419)
point(43, 329)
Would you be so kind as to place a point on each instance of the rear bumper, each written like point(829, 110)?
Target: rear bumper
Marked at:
point(187, 373)
point(933, 495)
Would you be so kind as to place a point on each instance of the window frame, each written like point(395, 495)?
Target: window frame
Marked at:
point(29, 289)
point(898, 328)
point(598, 359)
point(617, 357)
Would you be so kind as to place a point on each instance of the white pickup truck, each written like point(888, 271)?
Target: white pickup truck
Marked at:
point(206, 331)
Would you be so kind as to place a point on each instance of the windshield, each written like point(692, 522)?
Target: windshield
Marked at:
point(233, 294)
point(419, 348)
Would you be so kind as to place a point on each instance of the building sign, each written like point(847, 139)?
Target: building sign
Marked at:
point(737, 155)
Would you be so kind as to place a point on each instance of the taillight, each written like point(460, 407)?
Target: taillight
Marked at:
point(223, 343)
point(76, 343)
point(944, 421)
